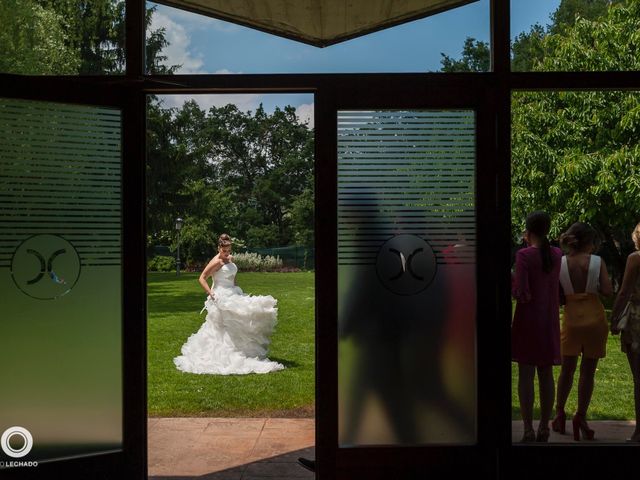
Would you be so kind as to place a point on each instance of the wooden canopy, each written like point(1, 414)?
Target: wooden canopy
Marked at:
point(317, 22)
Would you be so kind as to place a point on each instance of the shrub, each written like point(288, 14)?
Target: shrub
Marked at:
point(254, 262)
point(161, 263)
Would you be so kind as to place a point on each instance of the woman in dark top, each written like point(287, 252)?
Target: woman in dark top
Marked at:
point(535, 331)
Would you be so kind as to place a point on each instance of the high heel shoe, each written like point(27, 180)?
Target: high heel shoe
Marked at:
point(559, 423)
point(529, 436)
point(543, 434)
point(580, 425)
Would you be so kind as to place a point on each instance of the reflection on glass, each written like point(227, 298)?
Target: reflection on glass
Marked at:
point(60, 274)
point(406, 277)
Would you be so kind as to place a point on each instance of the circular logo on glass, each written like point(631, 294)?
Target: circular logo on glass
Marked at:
point(406, 264)
point(45, 267)
point(24, 439)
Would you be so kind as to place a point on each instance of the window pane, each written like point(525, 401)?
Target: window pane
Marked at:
point(198, 44)
point(406, 256)
point(575, 155)
point(61, 37)
point(555, 35)
point(60, 274)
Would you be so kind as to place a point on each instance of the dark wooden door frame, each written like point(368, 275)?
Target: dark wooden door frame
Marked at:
point(494, 369)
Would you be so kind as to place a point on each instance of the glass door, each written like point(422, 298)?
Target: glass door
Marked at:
point(62, 276)
point(406, 255)
point(408, 249)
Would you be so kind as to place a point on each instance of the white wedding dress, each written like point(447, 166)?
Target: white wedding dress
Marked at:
point(234, 338)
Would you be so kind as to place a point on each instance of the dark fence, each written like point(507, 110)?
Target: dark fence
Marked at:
point(292, 256)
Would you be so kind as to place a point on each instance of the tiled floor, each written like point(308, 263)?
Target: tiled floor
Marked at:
point(230, 448)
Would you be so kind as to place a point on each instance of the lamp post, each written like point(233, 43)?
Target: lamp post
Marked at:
point(178, 228)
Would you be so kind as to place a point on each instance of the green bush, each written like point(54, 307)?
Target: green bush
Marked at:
point(254, 262)
point(264, 235)
point(161, 263)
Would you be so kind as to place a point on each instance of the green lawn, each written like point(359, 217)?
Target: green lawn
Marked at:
point(613, 392)
point(174, 305)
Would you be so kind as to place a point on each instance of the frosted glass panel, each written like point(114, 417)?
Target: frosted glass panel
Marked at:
point(60, 278)
point(406, 277)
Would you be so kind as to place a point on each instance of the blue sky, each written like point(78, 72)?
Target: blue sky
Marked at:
point(204, 45)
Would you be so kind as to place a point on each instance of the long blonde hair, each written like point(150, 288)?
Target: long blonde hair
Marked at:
point(635, 236)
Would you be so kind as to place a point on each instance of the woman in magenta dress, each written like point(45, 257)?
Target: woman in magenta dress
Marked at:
point(535, 331)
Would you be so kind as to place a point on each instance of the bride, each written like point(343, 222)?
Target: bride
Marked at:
point(234, 338)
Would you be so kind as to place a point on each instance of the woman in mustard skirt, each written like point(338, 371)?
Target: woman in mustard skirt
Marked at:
point(584, 331)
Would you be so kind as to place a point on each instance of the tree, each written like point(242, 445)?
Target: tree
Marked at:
point(249, 174)
point(155, 43)
point(34, 40)
point(569, 10)
point(210, 212)
point(576, 154)
point(302, 218)
point(96, 29)
point(476, 57)
point(58, 37)
point(267, 160)
point(528, 48)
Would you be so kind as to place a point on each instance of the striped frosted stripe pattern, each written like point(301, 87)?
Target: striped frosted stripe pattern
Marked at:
point(61, 174)
point(405, 172)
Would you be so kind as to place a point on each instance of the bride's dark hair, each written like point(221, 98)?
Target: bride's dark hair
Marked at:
point(224, 240)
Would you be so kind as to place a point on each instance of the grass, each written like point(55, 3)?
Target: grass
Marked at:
point(613, 392)
point(174, 305)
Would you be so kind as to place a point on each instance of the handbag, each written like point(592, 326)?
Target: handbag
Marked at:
point(623, 318)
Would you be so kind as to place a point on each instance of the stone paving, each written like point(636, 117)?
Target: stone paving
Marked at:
point(230, 448)
point(268, 448)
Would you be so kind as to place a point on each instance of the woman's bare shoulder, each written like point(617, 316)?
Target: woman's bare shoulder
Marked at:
point(214, 264)
point(634, 258)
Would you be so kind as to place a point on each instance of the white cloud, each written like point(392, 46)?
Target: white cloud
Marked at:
point(195, 20)
point(304, 113)
point(177, 51)
point(244, 102)
point(183, 16)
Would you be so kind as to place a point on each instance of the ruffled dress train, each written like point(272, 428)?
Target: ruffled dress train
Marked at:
point(234, 338)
